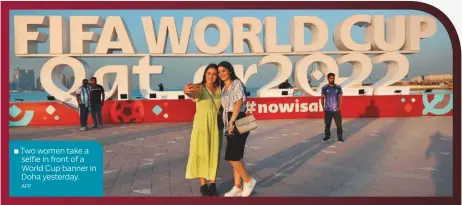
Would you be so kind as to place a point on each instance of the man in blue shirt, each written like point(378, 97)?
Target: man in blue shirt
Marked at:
point(83, 98)
point(332, 100)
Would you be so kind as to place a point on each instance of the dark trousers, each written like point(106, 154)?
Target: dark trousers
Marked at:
point(338, 122)
point(96, 114)
point(83, 115)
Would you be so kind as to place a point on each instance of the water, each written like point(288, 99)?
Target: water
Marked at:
point(40, 96)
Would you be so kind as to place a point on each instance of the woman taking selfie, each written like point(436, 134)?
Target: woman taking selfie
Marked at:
point(204, 151)
point(232, 99)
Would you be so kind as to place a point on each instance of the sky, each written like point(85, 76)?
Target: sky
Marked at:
point(435, 56)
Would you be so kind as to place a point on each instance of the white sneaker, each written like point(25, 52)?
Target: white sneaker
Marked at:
point(248, 188)
point(83, 128)
point(234, 192)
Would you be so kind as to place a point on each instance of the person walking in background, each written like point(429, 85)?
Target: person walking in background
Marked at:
point(96, 102)
point(331, 99)
point(83, 99)
point(233, 101)
point(205, 143)
point(161, 87)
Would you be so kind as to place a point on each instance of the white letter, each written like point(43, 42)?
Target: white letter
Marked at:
point(342, 34)
point(122, 83)
point(313, 107)
point(271, 44)
point(418, 27)
point(362, 68)
point(114, 28)
point(327, 65)
point(239, 70)
point(284, 65)
point(52, 70)
point(318, 29)
point(22, 35)
point(59, 35)
point(224, 35)
point(262, 108)
point(81, 37)
point(250, 37)
point(145, 70)
point(396, 33)
point(398, 67)
point(167, 27)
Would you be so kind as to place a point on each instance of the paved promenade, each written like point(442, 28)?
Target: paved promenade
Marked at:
point(380, 157)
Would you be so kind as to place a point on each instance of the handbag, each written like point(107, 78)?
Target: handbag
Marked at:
point(247, 123)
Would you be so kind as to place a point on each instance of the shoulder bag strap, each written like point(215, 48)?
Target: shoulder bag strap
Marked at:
point(215, 105)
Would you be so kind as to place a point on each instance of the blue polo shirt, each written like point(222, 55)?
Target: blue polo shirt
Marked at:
point(331, 95)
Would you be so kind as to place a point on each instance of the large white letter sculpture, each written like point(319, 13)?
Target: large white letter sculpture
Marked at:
point(122, 84)
point(398, 67)
point(158, 42)
point(327, 65)
point(284, 66)
point(80, 35)
point(25, 40)
point(384, 38)
point(51, 71)
point(318, 29)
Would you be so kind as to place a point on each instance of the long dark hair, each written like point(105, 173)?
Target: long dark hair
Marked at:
point(204, 78)
point(228, 66)
point(232, 75)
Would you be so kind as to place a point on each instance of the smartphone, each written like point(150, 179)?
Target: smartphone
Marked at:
point(197, 87)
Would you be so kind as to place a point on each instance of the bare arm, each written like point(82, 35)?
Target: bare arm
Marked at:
point(236, 110)
point(188, 89)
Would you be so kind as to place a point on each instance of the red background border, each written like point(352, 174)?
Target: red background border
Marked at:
point(455, 200)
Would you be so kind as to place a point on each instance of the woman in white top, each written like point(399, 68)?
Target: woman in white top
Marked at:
point(233, 101)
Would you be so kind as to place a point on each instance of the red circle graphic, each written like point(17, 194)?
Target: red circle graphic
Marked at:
point(127, 111)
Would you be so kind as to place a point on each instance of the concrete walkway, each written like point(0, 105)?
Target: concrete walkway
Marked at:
point(380, 157)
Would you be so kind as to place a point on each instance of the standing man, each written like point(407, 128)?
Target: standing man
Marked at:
point(83, 98)
point(96, 102)
point(332, 96)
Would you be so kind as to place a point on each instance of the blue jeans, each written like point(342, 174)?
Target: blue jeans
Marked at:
point(83, 115)
point(96, 112)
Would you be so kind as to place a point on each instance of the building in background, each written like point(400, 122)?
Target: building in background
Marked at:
point(71, 82)
point(62, 78)
point(30, 80)
point(38, 84)
point(16, 79)
point(432, 79)
point(23, 80)
point(68, 82)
